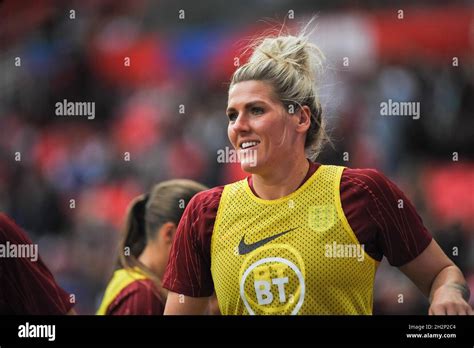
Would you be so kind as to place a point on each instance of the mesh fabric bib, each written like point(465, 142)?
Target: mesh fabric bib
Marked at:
point(293, 255)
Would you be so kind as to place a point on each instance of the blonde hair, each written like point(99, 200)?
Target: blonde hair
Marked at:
point(292, 66)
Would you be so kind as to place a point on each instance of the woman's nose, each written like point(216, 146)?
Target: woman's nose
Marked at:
point(241, 123)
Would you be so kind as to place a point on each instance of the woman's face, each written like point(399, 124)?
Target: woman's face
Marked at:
point(260, 129)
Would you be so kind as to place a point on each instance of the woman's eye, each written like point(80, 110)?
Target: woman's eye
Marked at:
point(232, 117)
point(257, 110)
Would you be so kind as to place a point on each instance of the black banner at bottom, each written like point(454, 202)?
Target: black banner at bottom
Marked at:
point(44, 331)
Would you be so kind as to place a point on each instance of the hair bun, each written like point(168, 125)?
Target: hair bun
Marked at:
point(290, 51)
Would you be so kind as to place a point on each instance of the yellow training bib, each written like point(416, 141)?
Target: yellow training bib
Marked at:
point(293, 255)
point(120, 280)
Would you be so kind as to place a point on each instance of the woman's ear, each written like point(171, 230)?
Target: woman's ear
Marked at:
point(304, 119)
point(167, 232)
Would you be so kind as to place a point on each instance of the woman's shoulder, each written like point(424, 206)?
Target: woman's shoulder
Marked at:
point(364, 187)
point(208, 199)
point(139, 297)
point(200, 214)
point(141, 286)
point(370, 180)
point(372, 173)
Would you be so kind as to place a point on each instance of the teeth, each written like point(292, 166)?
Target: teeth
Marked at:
point(248, 144)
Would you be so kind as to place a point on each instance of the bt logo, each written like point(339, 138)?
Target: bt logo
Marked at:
point(270, 278)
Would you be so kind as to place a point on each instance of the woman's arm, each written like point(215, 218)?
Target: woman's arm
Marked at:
point(440, 280)
point(177, 304)
point(188, 270)
point(450, 293)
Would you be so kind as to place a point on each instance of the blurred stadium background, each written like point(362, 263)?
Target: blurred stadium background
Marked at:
point(175, 61)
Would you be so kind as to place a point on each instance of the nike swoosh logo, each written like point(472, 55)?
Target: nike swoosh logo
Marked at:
point(247, 248)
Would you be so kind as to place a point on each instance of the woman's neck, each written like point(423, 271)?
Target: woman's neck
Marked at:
point(281, 181)
point(148, 259)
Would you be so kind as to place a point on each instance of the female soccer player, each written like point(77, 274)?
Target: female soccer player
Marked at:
point(297, 237)
point(135, 288)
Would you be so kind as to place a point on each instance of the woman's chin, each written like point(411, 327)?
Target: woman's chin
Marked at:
point(249, 167)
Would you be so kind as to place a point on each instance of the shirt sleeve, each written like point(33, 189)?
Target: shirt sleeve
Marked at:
point(138, 298)
point(382, 217)
point(189, 267)
point(27, 285)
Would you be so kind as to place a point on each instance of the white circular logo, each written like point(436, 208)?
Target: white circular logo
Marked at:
point(263, 288)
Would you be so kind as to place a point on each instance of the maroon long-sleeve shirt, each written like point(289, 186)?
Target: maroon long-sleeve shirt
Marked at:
point(370, 202)
point(27, 286)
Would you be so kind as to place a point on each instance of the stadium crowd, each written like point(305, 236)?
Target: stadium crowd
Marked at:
point(68, 180)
